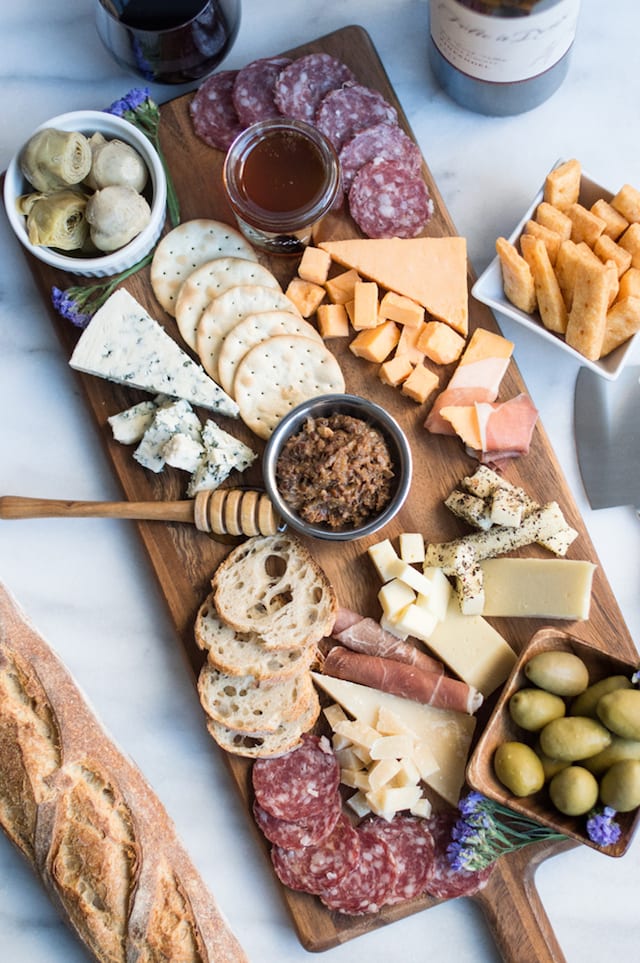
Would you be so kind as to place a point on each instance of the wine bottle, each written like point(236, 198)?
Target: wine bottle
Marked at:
point(501, 56)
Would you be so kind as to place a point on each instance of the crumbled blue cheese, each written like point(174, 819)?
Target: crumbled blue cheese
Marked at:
point(172, 419)
point(129, 426)
point(182, 452)
point(222, 454)
point(123, 343)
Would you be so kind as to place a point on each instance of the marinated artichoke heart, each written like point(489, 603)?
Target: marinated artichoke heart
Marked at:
point(114, 162)
point(116, 215)
point(55, 159)
point(57, 220)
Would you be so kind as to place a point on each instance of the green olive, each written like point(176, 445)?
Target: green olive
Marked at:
point(518, 768)
point(618, 750)
point(574, 791)
point(585, 703)
point(620, 786)
point(534, 708)
point(562, 673)
point(573, 737)
point(620, 712)
point(549, 765)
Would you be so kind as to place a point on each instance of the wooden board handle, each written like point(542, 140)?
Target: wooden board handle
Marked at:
point(514, 912)
point(15, 506)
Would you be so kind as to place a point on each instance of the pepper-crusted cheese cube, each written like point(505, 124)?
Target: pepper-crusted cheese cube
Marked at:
point(404, 310)
point(470, 590)
point(396, 370)
point(365, 305)
point(408, 343)
point(314, 265)
point(376, 344)
point(506, 507)
point(383, 555)
point(394, 596)
point(420, 384)
point(305, 295)
point(440, 343)
point(340, 288)
point(411, 547)
point(333, 321)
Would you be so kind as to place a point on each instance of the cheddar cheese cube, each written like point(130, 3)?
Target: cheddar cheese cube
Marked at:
point(340, 288)
point(376, 344)
point(333, 320)
point(314, 265)
point(365, 305)
point(396, 370)
point(305, 295)
point(440, 343)
point(408, 343)
point(420, 384)
point(404, 310)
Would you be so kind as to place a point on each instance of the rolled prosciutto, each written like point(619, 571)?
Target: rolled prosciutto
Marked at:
point(400, 679)
point(367, 636)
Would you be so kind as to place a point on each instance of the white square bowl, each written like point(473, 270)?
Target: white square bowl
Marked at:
point(489, 290)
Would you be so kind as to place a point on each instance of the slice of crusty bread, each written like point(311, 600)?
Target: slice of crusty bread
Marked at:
point(241, 702)
point(244, 653)
point(255, 745)
point(271, 585)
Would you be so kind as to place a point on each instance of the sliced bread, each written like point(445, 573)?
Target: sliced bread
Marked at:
point(255, 745)
point(271, 585)
point(244, 653)
point(241, 702)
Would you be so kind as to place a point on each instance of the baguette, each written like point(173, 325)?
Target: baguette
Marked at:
point(89, 823)
point(271, 585)
point(256, 745)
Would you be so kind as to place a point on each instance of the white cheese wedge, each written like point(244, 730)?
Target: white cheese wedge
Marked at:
point(473, 649)
point(445, 733)
point(549, 588)
point(123, 343)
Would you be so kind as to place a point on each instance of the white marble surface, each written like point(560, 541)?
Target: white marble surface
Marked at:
point(88, 585)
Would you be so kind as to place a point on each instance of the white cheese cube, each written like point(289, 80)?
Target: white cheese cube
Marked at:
point(360, 734)
point(559, 541)
point(383, 555)
point(347, 758)
point(388, 723)
point(438, 598)
point(340, 742)
point(389, 800)
point(381, 773)
point(334, 714)
point(358, 802)
point(417, 621)
point(392, 747)
point(355, 779)
point(129, 426)
point(410, 576)
point(411, 547)
point(422, 808)
point(394, 596)
point(408, 774)
point(424, 760)
point(363, 754)
point(389, 626)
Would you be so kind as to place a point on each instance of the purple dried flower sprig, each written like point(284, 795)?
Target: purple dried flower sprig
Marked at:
point(79, 303)
point(602, 828)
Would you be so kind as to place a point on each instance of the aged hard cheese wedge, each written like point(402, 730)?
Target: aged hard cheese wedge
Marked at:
point(123, 343)
point(429, 270)
point(552, 588)
point(447, 734)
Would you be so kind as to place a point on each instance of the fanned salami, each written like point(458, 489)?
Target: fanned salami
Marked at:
point(412, 846)
point(296, 834)
point(213, 114)
point(345, 110)
point(384, 141)
point(299, 784)
point(366, 887)
point(445, 882)
point(301, 86)
point(253, 89)
point(387, 200)
point(314, 869)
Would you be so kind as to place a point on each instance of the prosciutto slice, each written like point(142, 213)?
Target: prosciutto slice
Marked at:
point(367, 636)
point(506, 429)
point(400, 679)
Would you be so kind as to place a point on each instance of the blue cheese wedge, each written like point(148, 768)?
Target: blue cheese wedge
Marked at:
point(123, 343)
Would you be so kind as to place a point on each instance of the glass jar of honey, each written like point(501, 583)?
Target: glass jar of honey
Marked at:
point(281, 178)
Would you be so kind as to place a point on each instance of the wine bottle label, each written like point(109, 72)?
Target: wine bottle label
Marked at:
point(502, 49)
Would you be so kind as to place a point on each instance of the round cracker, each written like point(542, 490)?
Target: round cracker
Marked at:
point(251, 331)
point(188, 246)
point(223, 312)
point(209, 281)
point(280, 373)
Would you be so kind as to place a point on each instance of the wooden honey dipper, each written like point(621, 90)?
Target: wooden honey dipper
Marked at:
point(224, 511)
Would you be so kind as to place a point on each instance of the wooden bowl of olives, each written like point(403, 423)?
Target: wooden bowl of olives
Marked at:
point(563, 742)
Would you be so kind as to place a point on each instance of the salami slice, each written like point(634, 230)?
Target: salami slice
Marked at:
point(296, 834)
point(253, 89)
point(383, 141)
point(387, 200)
point(366, 888)
point(345, 110)
point(301, 86)
point(444, 881)
point(213, 114)
point(412, 847)
point(300, 783)
point(313, 869)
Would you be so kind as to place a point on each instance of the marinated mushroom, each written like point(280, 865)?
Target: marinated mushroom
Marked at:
point(116, 215)
point(115, 163)
point(54, 159)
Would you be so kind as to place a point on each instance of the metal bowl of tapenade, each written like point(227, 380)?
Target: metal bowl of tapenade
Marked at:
point(337, 467)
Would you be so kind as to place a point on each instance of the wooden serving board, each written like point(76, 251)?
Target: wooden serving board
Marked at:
point(185, 559)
